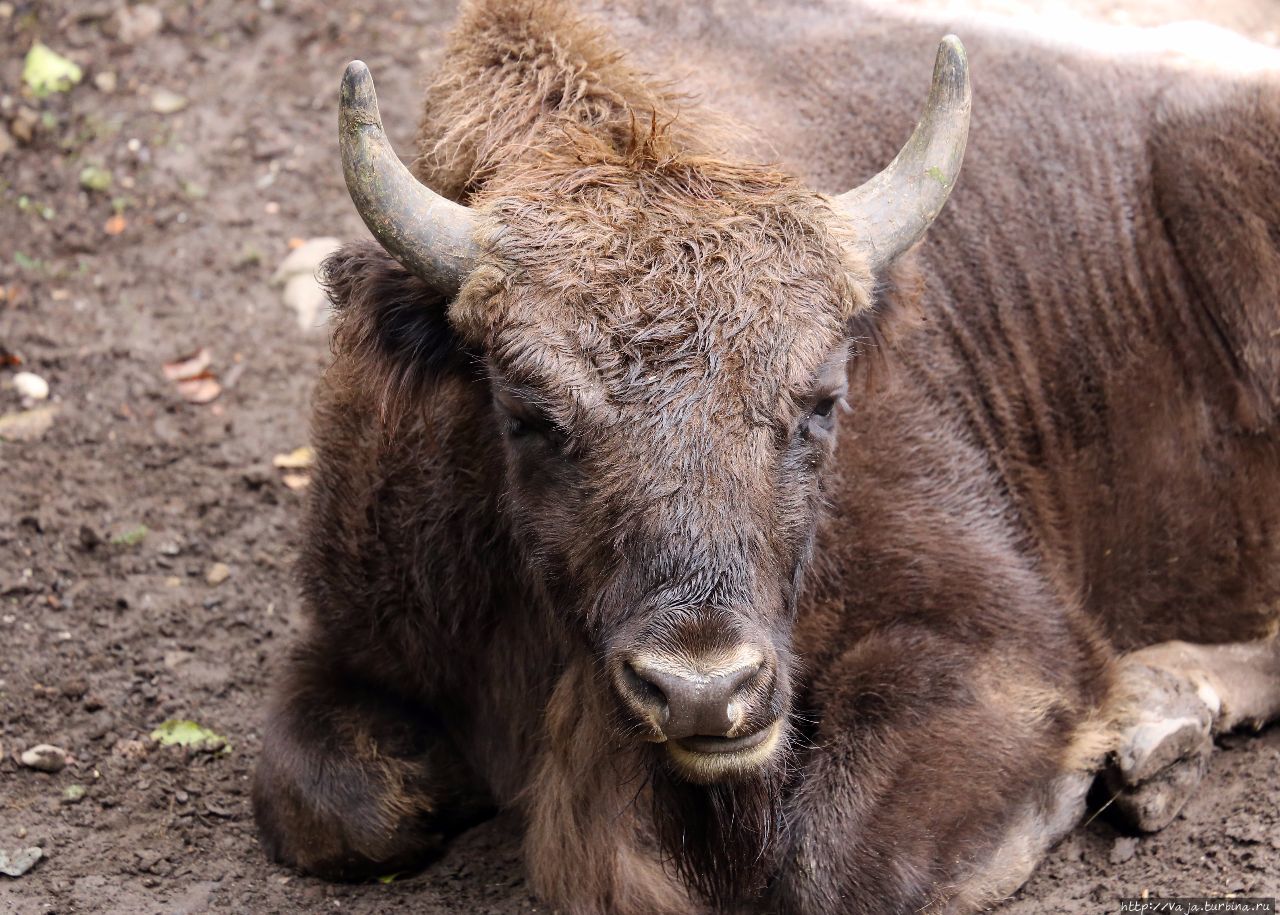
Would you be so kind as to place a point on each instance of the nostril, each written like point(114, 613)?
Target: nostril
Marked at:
point(645, 692)
point(737, 679)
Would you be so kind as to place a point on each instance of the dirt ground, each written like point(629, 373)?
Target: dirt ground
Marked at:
point(145, 542)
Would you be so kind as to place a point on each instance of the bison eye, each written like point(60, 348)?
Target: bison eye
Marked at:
point(824, 408)
point(523, 426)
point(821, 419)
point(534, 426)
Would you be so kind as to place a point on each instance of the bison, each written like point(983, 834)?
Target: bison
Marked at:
point(762, 560)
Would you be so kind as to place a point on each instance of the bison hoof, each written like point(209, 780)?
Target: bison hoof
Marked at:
point(1165, 739)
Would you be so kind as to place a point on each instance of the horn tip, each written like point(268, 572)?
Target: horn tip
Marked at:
point(359, 101)
point(356, 74)
point(951, 69)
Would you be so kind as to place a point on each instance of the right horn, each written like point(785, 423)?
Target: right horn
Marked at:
point(891, 211)
point(430, 235)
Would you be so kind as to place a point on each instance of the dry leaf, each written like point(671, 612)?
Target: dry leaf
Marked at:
point(13, 294)
point(192, 377)
point(188, 366)
point(27, 426)
point(297, 459)
point(298, 272)
point(203, 388)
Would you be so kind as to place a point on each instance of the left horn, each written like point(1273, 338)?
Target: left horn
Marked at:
point(891, 211)
point(429, 234)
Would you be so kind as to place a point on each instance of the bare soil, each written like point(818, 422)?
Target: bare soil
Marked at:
point(111, 521)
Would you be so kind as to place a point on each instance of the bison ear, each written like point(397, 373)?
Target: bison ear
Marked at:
point(390, 326)
point(1215, 159)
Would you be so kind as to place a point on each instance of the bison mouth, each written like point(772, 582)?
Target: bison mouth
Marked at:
point(719, 810)
point(711, 759)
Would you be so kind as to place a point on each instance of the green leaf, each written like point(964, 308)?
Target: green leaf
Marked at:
point(131, 537)
point(47, 71)
point(95, 178)
point(181, 732)
point(26, 262)
point(390, 878)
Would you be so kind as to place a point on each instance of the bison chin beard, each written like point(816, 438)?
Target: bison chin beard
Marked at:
point(723, 838)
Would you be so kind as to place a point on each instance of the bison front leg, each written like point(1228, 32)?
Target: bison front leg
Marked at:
point(939, 776)
point(1170, 701)
point(353, 781)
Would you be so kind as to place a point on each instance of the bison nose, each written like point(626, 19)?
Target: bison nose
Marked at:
point(690, 701)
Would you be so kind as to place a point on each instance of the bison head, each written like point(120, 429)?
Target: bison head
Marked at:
point(665, 338)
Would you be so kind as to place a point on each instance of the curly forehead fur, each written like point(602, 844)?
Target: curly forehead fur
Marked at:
point(653, 274)
point(618, 243)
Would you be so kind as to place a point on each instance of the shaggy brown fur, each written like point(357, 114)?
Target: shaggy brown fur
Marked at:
point(614, 437)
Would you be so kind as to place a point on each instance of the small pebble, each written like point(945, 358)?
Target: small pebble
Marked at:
point(218, 810)
point(24, 124)
point(218, 573)
point(100, 723)
point(165, 102)
point(137, 23)
point(129, 749)
point(73, 794)
point(1123, 849)
point(31, 386)
point(17, 863)
point(45, 758)
point(88, 537)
